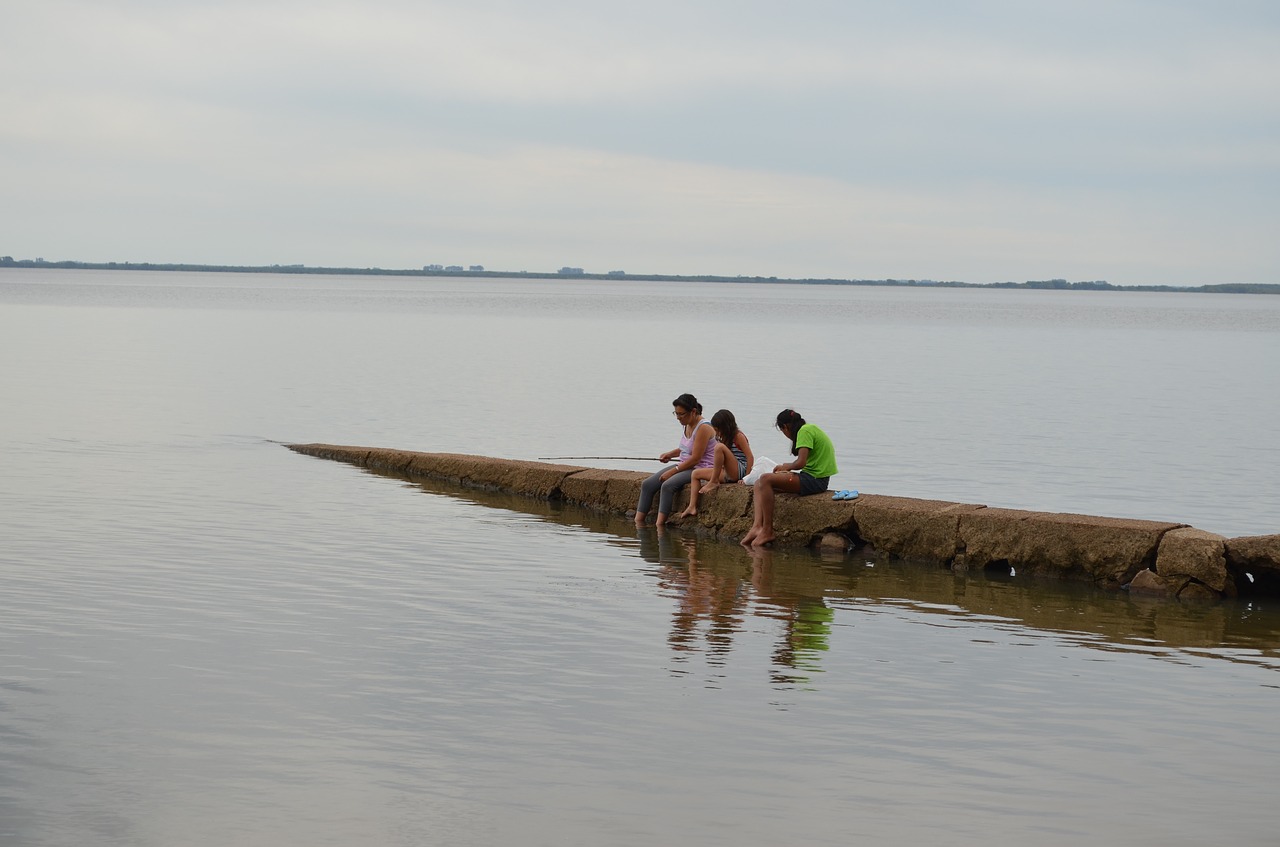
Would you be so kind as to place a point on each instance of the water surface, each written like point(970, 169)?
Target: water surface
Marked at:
point(208, 639)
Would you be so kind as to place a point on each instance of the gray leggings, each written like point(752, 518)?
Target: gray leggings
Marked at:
point(669, 490)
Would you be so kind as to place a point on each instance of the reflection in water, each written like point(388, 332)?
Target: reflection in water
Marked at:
point(706, 599)
point(718, 587)
point(806, 620)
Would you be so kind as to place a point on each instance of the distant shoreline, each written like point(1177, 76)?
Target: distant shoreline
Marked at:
point(1048, 284)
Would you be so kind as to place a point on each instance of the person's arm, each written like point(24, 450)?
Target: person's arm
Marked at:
point(801, 459)
point(745, 446)
point(701, 436)
point(669, 455)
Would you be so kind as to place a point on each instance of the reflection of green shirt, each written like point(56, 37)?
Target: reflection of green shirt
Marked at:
point(822, 453)
point(809, 633)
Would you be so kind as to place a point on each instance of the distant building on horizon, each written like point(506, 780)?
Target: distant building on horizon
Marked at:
point(433, 267)
point(617, 273)
point(568, 271)
point(476, 268)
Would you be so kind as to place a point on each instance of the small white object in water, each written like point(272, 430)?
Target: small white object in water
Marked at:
point(1013, 571)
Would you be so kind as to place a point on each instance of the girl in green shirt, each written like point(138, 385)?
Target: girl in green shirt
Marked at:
point(808, 473)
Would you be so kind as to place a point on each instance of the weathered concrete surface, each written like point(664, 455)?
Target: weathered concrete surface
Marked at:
point(727, 510)
point(612, 491)
point(833, 542)
point(1189, 553)
point(804, 520)
point(1154, 557)
point(354, 455)
point(397, 461)
point(910, 528)
point(536, 479)
point(1256, 556)
point(1106, 550)
point(1153, 585)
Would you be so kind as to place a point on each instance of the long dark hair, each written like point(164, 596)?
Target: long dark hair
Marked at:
point(726, 426)
point(791, 419)
point(688, 401)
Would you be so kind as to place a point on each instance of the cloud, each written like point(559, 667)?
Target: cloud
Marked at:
point(948, 140)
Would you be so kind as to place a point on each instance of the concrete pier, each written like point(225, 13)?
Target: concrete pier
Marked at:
point(1154, 557)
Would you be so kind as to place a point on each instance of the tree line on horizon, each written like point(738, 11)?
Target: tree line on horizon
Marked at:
point(1046, 284)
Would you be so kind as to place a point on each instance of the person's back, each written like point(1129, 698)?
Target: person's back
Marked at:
point(822, 453)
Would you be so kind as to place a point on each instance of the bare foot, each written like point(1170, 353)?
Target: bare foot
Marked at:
point(688, 513)
point(762, 539)
point(746, 539)
point(640, 518)
point(708, 487)
point(661, 521)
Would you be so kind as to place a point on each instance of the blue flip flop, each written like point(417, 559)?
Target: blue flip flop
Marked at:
point(844, 495)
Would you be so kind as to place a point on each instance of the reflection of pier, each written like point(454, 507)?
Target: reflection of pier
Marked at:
point(734, 585)
point(1153, 557)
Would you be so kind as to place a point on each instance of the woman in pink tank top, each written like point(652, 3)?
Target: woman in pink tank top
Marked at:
point(697, 450)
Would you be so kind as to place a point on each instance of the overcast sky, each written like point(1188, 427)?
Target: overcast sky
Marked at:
point(1136, 141)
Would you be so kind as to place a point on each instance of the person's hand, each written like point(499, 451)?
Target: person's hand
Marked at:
point(780, 468)
point(666, 475)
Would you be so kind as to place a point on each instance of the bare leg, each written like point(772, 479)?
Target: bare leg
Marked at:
point(698, 475)
point(755, 519)
point(764, 501)
point(762, 528)
point(721, 471)
point(730, 463)
point(640, 516)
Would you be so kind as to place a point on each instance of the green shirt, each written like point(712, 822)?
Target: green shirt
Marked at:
point(822, 453)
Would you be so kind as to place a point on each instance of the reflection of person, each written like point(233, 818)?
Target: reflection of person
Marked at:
point(806, 620)
point(711, 599)
point(809, 473)
point(733, 460)
point(659, 547)
point(810, 627)
point(696, 450)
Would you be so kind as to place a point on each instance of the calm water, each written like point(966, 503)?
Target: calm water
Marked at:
point(208, 639)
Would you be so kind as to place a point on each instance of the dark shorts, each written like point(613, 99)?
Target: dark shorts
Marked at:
point(812, 484)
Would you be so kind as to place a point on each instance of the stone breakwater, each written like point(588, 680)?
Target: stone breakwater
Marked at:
point(1150, 557)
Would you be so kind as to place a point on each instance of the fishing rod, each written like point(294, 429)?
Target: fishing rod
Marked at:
point(628, 458)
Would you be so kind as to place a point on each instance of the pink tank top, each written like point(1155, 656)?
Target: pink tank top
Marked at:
point(686, 447)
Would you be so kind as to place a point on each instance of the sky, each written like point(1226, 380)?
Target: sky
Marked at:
point(1136, 141)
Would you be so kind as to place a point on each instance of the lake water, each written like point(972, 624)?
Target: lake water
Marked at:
point(208, 639)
